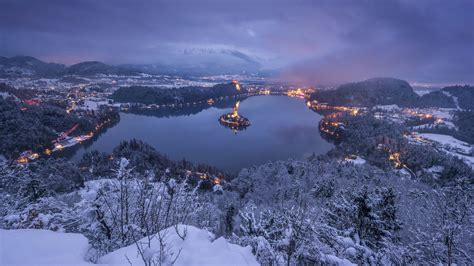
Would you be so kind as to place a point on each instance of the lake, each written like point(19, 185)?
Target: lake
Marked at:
point(281, 128)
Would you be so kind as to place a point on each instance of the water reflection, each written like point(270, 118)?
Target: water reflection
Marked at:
point(233, 120)
point(185, 110)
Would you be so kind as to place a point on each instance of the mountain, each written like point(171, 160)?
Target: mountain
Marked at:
point(438, 99)
point(460, 97)
point(375, 91)
point(95, 67)
point(386, 91)
point(18, 66)
point(21, 66)
point(463, 96)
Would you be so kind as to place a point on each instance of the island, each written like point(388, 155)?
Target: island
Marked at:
point(234, 120)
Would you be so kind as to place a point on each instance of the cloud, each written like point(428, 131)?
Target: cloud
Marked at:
point(251, 33)
point(312, 41)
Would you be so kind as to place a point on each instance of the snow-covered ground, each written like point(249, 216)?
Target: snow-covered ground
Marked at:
point(42, 247)
point(422, 92)
point(390, 107)
point(444, 123)
point(356, 160)
point(455, 99)
point(94, 104)
point(196, 249)
point(448, 140)
point(469, 160)
point(443, 116)
point(444, 113)
point(453, 146)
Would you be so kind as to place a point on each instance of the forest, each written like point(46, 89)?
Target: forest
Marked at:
point(387, 91)
point(28, 127)
point(34, 127)
point(151, 95)
point(376, 140)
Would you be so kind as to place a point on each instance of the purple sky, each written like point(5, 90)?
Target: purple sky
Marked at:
point(316, 41)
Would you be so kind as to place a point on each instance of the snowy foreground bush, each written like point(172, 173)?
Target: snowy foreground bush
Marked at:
point(177, 245)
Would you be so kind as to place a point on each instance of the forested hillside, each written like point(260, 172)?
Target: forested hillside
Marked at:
point(377, 91)
point(28, 127)
point(149, 95)
point(387, 91)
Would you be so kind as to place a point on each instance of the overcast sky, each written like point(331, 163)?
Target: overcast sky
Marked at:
point(316, 41)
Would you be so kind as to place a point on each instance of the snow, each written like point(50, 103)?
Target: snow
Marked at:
point(435, 170)
point(351, 252)
point(455, 99)
point(449, 124)
point(444, 113)
point(421, 92)
point(423, 126)
point(42, 247)
point(217, 188)
point(94, 104)
point(390, 107)
point(456, 147)
point(89, 192)
point(334, 260)
point(196, 249)
point(447, 140)
point(444, 123)
point(347, 242)
point(469, 160)
point(357, 160)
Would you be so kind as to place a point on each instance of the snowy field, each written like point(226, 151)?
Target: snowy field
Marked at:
point(390, 107)
point(356, 160)
point(43, 247)
point(94, 105)
point(454, 146)
point(447, 140)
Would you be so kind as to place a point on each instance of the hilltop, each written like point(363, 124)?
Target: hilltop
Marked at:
point(371, 92)
point(388, 91)
point(460, 97)
point(27, 66)
point(19, 66)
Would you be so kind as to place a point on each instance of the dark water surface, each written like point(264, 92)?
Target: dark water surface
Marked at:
point(281, 128)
